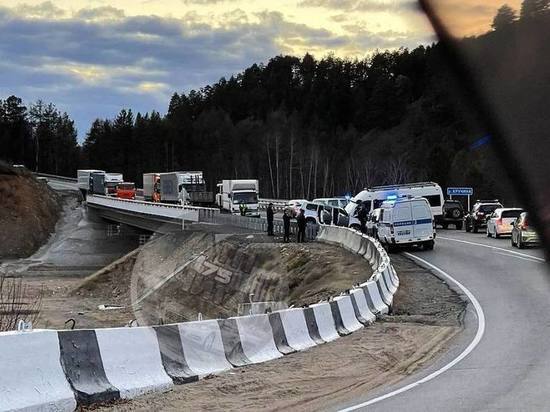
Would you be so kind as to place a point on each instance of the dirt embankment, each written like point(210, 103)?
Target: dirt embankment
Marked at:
point(177, 276)
point(28, 212)
point(427, 316)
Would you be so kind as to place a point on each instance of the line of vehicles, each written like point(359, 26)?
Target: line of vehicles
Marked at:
point(239, 196)
point(408, 214)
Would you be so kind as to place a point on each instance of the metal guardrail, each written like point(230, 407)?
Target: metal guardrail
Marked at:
point(278, 204)
point(63, 178)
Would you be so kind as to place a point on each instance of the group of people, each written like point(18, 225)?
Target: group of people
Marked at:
point(288, 215)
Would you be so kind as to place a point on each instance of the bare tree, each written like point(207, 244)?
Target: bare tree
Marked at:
point(17, 303)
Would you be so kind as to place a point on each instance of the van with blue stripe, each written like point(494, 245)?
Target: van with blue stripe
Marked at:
point(406, 221)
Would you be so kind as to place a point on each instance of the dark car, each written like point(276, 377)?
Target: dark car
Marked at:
point(477, 218)
point(522, 233)
point(453, 214)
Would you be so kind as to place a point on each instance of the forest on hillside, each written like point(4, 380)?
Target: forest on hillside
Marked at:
point(304, 127)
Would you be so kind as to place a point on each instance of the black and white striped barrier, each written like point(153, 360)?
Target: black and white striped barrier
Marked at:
point(59, 370)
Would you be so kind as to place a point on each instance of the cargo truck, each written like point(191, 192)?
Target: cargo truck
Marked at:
point(234, 193)
point(151, 187)
point(83, 179)
point(195, 185)
point(172, 189)
point(97, 184)
point(111, 182)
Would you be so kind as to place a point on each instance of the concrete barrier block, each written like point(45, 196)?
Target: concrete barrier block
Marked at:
point(347, 313)
point(203, 347)
point(171, 353)
point(364, 312)
point(31, 376)
point(296, 330)
point(83, 367)
point(132, 361)
point(387, 296)
point(257, 338)
point(325, 321)
point(373, 293)
point(232, 345)
point(279, 334)
point(386, 276)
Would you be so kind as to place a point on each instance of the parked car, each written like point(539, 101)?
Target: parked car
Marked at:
point(334, 215)
point(406, 221)
point(453, 214)
point(477, 218)
point(332, 201)
point(372, 222)
point(501, 220)
point(312, 212)
point(296, 204)
point(522, 233)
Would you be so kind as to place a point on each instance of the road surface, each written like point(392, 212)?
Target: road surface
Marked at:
point(509, 369)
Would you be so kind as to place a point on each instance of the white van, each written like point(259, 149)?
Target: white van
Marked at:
point(373, 197)
point(406, 221)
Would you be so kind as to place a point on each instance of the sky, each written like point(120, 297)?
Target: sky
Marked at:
point(92, 58)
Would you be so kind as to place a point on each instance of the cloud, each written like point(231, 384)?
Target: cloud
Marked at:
point(43, 10)
point(363, 5)
point(98, 60)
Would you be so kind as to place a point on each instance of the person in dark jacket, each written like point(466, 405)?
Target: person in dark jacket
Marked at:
point(270, 219)
point(286, 225)
point(362, 216)
point(301, 219)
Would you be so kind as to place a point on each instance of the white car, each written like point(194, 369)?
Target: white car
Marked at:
point(296, 204)
point(332, 201)
point(406, 221)
point(501, 221)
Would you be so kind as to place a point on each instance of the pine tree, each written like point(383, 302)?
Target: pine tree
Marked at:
point(534, 8)
point(505, 17)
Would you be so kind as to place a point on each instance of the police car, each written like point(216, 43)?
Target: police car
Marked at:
point(406, 221)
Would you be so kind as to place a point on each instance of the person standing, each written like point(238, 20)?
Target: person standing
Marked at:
point(301, 219)
point(270, 219)
point(286, 225)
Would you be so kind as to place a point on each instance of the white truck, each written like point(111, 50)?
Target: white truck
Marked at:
point(172, 188)
point(83, 179)
point(151, 187)
point(234, 193)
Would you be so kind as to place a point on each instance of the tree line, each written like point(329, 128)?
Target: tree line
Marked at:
point(304, 127)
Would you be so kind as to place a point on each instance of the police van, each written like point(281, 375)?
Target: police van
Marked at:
point(373, 197)
point(406, 221)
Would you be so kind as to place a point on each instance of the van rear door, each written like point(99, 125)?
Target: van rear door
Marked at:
point(423, 220)
point(403, 222)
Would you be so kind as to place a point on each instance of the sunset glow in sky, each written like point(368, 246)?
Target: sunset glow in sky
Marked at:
point(92, 58)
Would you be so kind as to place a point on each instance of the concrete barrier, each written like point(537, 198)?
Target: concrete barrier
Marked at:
point(363, 311)
point(296, 330)
point(31, 376)
point(371, 291)
point(132, 362)
point(386, 295)
point(279, 334)
point(203, 347)
point(232, 342)
point(257, 338)
point(325, 321)
point(338, 321)
point(171, 353)
point(83, 367)
point(312, 327)
point(386, 276)
point(347, 313)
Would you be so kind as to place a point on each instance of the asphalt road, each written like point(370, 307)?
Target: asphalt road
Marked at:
point(509, 369)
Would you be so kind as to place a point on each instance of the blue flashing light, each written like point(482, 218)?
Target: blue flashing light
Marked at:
point(391, 197)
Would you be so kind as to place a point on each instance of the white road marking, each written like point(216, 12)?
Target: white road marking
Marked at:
point(529, 259)
point(466, 352)
point(493, 247)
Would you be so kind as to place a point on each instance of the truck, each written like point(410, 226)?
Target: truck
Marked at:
point(83, 179)
point(111, 182)
point(97, 184)
point(234, 193)
point(151, 187)
point(195, 185)
point(172, 188)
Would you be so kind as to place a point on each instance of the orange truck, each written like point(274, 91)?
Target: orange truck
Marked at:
point(126, 190)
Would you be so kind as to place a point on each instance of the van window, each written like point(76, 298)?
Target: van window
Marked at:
point(402, 212)
point(333, 202)
point(433, 200)
point(511, 213)
point(311, 206)
point(421, 212)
